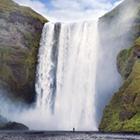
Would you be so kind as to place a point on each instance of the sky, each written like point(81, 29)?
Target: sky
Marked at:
point(70, 10)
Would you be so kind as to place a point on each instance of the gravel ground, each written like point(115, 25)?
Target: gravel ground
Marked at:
point(42, 135)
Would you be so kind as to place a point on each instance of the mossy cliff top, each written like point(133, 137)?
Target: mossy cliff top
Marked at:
point(9, 6)
point(20, 33)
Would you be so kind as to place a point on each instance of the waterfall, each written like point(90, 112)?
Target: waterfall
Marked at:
point(77, 73)
point(66, 74)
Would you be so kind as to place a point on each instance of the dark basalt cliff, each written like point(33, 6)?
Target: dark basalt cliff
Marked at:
point(20, 32)
point(8, 125)
point(123, 111)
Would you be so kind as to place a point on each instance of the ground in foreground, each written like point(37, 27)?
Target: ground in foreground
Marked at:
point(55, 135)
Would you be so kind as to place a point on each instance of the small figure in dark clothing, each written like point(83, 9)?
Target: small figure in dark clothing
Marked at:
point(73, 129)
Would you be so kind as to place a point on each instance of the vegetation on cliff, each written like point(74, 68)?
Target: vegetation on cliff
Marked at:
point(122, 114)
point(20, 32)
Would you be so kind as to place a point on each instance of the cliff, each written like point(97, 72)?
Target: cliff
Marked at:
point(122, 114)
point(20, 32)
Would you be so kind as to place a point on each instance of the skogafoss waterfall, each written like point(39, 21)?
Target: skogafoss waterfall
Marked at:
point(66, 74)
point(76, 76)
point(76, 72)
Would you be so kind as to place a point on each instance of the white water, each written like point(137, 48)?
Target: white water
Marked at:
point(66, 75)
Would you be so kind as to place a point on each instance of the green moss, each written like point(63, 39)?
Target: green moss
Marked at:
point(125, 61)
point(137, 42)
point(124, 101)
point(132, 124)
point(115, 124)
point(110, 121)
point(123, 111)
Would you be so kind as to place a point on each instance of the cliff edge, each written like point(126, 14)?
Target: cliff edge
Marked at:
point(20, 33)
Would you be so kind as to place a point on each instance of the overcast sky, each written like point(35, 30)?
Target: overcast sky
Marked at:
point(67, 10)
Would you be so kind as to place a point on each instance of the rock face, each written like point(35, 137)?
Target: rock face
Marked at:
point(7, 125)
point(123, 111)
point(20, 32)
point(14, 126)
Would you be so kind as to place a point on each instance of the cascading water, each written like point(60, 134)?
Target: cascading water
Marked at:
point(66, 75)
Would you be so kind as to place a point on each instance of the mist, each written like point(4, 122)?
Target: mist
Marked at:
point(116, 32)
